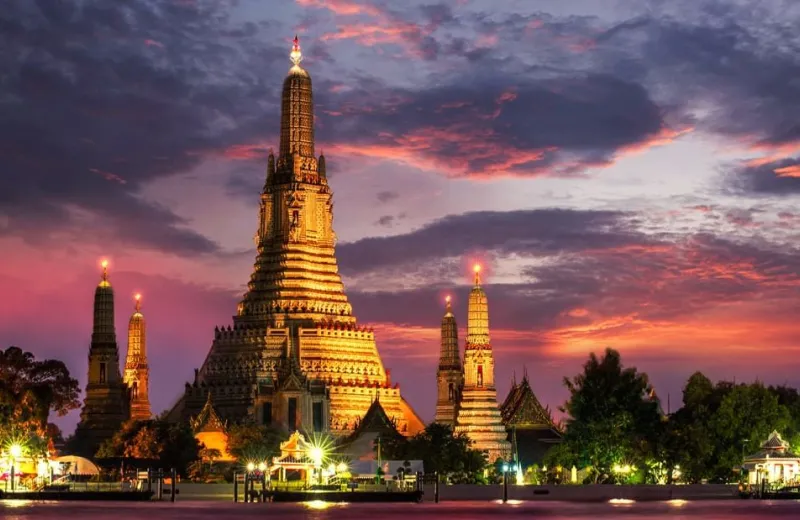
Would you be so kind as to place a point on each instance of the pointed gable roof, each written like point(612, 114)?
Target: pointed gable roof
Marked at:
point(291, 378)
point(775, 442)
point(208, 420)
point(375, 421)
point(522, 409)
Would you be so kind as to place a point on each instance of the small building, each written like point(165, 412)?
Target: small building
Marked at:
point(773, 463)
point(296, 456)
point(530, 426)
point(375, 427)
point(211, 431)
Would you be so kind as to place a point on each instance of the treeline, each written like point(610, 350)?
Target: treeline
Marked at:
point(617, 430)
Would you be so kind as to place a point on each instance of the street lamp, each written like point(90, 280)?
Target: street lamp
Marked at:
point(15, 450)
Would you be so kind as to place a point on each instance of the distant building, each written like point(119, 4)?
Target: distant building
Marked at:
point(211, 431)
point(110, 399)
point(450, 374)
point(530, 426)
point(137, 373)
point(521, 429)
point(478, 415)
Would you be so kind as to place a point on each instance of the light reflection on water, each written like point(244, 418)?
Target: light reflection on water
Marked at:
point(196, 510)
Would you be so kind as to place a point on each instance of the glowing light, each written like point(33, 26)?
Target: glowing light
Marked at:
point(447, 298)
point(677, 502)
point(621, 501)
point(104, 264)
point(138, 297)
point(250, 466)
point(15, 450)
point(341, 468)
point(316, 454)
point(262, 467)
point(477, 268)
point(321, 504)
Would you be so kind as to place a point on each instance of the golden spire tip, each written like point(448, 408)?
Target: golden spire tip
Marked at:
point(296, 56)
point(104, 265)
point(477, 269)
point(138, 298)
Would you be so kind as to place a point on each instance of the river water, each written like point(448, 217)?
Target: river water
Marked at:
point(728, 509)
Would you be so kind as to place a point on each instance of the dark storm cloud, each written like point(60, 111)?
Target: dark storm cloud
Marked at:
point(776, 178)
point(101, 97)
point(527, 232)
point(586, 89)
point(513, 124)
point(606, 271)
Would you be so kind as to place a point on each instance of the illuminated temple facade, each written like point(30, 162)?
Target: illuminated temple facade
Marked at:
point(295, 356)
point(478, 414)
point(112, 399)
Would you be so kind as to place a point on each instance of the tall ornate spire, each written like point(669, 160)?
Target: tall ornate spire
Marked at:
point(448, 374)
point(103, 326)
point(478, 313)
point(105, 406)
point(448, 355)
point(136, 368)
point(297, 113)
point(295, 311)
point(478, 415)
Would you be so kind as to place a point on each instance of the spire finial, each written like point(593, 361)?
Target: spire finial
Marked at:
point(138, 304)
point(448, 306)
point(296, 56)
point(477, 269)
point(104, 265)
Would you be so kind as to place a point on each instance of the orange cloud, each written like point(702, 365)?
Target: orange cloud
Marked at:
point(789, 171)
point(385, 28)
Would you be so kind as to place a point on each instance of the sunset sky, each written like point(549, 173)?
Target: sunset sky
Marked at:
point(628, 171)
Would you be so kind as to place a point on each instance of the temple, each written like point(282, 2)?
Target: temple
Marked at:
point(295, 356)
point(449, 376)
point(478, 414)
point(531, 429)
point(106, 405)
point(136, 371)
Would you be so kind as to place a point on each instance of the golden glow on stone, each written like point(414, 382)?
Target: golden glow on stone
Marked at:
point(295, 305)
point(137, 371)
point(478, 414)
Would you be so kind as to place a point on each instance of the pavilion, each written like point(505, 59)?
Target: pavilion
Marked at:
point(773, 463)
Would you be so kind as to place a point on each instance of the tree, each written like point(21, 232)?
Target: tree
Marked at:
point(745, 418)
point(254, 442)
point(441, 451)
point(30, 390)
point(172, 445)
point(612, 417)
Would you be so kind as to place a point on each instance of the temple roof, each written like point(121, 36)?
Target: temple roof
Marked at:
point(375, 421)
point(775, 442)
point(522, 409)
point(208, 420)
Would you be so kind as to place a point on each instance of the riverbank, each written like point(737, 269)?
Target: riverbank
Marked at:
point(465, 492)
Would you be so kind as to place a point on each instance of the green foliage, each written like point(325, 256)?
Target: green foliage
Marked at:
point(30, 390)
point(611, 419)
point(172, 445)
point(441, 451)
point(253, 442)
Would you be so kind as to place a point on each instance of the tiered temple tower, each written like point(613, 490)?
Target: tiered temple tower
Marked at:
point(136, 370)
point(295, 356)
point(449, 377)
point(479, 415)
point(105, 406)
